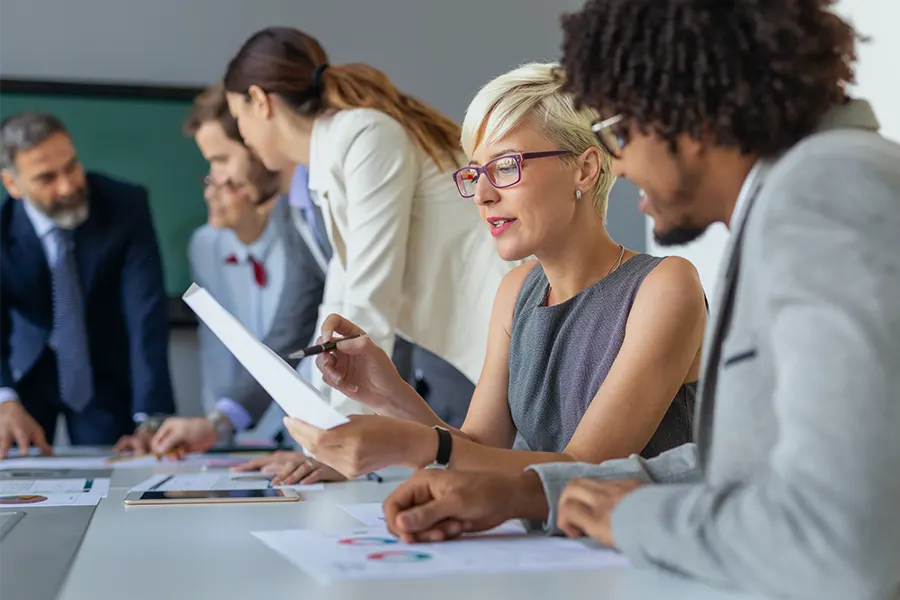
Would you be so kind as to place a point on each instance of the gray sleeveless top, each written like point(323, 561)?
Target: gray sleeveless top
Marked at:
point(559, 355)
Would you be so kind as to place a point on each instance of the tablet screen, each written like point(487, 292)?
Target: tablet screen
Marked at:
point(211, 494)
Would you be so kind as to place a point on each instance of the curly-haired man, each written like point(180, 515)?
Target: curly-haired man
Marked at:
point(736, 111)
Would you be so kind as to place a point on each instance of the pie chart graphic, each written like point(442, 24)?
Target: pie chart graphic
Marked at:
point(22, 499)
point(367, 541)
point(399, 556)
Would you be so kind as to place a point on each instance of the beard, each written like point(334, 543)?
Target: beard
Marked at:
point(66, 213)
point(678, 235)
point(684, 195)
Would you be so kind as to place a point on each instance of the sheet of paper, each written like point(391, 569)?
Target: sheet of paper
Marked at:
point(55, 462)
point(371, 514)
point(372, 553)
point(216, 481)
point(294, 395)
point(207, 461)
point(43, 493)
point(10, 487)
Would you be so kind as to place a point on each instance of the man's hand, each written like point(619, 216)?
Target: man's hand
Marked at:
point(586, 506)
point(18, 427)
point(138, 443)
point(191, 434)
point(433, 506)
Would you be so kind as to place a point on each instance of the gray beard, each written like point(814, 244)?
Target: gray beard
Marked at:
point(66, 219)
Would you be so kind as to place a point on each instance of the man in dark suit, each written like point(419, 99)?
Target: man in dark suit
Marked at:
point(83, 324)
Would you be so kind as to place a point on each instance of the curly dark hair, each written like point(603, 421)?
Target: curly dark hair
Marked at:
point(755, 74)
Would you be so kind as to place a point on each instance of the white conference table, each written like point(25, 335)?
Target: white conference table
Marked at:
point(207, 551)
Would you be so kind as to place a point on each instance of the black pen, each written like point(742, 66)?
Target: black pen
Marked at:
point(374, 477)
point(320, 348)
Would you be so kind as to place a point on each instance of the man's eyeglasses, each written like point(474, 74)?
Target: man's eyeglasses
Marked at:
point(228, 184)
point(235, 187)
point(502, 172)
point(610, 135)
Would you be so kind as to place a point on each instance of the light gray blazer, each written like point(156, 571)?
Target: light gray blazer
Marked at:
point(793, 486)
point(293, 324)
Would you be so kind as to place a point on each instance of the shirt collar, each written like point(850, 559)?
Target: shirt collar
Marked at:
point(42, 224)
point(259, 249)
point(298, 197)
point(754, 180)
point(318, 181)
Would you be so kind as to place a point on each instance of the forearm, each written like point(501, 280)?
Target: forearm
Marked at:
point(678, 465)
point(408, 405)
point(469, 455)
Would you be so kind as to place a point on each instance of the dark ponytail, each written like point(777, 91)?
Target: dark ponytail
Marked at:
point(293, 65)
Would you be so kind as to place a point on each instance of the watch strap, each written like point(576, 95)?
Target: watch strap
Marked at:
point(445, 448)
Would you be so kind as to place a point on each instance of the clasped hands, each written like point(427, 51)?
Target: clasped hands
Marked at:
point(434, 506)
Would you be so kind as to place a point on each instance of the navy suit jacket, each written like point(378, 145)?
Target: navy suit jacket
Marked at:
point(124, 298)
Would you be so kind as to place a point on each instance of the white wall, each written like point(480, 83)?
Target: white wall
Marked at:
point(440, 50)
point(878, 80)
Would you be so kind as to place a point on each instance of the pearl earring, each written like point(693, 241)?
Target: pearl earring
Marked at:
point(578, 195)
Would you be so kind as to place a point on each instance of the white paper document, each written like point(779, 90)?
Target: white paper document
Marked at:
point(372, 553)
point(52, 492)
point(371, 514)
point(206, 461)
point(294, 395)
point(216, 481)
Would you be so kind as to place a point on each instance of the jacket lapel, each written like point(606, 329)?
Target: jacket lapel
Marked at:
point(717, 330)
point(90, 240)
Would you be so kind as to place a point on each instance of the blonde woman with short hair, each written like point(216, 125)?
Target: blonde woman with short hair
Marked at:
point(593, 350)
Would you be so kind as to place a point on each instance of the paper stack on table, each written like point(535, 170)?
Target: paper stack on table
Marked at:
point(52, 492)
point(294, 395)
point(205, 461)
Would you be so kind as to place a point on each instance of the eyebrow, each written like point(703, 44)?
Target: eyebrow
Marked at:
point(496, 155)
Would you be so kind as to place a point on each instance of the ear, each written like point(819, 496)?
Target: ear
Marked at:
point(589, 169)
point(692, 148)
point(260, 102)
point(11, 184)
point(264, 208)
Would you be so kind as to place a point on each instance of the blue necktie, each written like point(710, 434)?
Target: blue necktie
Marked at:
point(73, 361)
point(300, 197)
point(313, 217)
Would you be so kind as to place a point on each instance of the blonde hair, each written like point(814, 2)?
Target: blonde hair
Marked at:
point(534, 90)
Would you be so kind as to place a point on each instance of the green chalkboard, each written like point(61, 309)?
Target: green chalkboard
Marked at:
point(132, 133)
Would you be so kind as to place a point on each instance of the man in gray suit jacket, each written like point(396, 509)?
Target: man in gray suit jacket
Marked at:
point(240, 400)
point(793, 486)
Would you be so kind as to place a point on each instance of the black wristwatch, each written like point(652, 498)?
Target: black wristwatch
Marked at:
point(445, 447)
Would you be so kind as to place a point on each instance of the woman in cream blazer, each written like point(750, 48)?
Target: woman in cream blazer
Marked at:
point(410, 256)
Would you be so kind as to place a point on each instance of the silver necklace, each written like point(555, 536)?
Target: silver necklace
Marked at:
point(618, 262)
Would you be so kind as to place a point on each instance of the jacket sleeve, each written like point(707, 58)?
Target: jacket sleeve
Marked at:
point(146, 316)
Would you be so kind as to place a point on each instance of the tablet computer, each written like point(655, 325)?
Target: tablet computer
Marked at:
point(212, 496)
